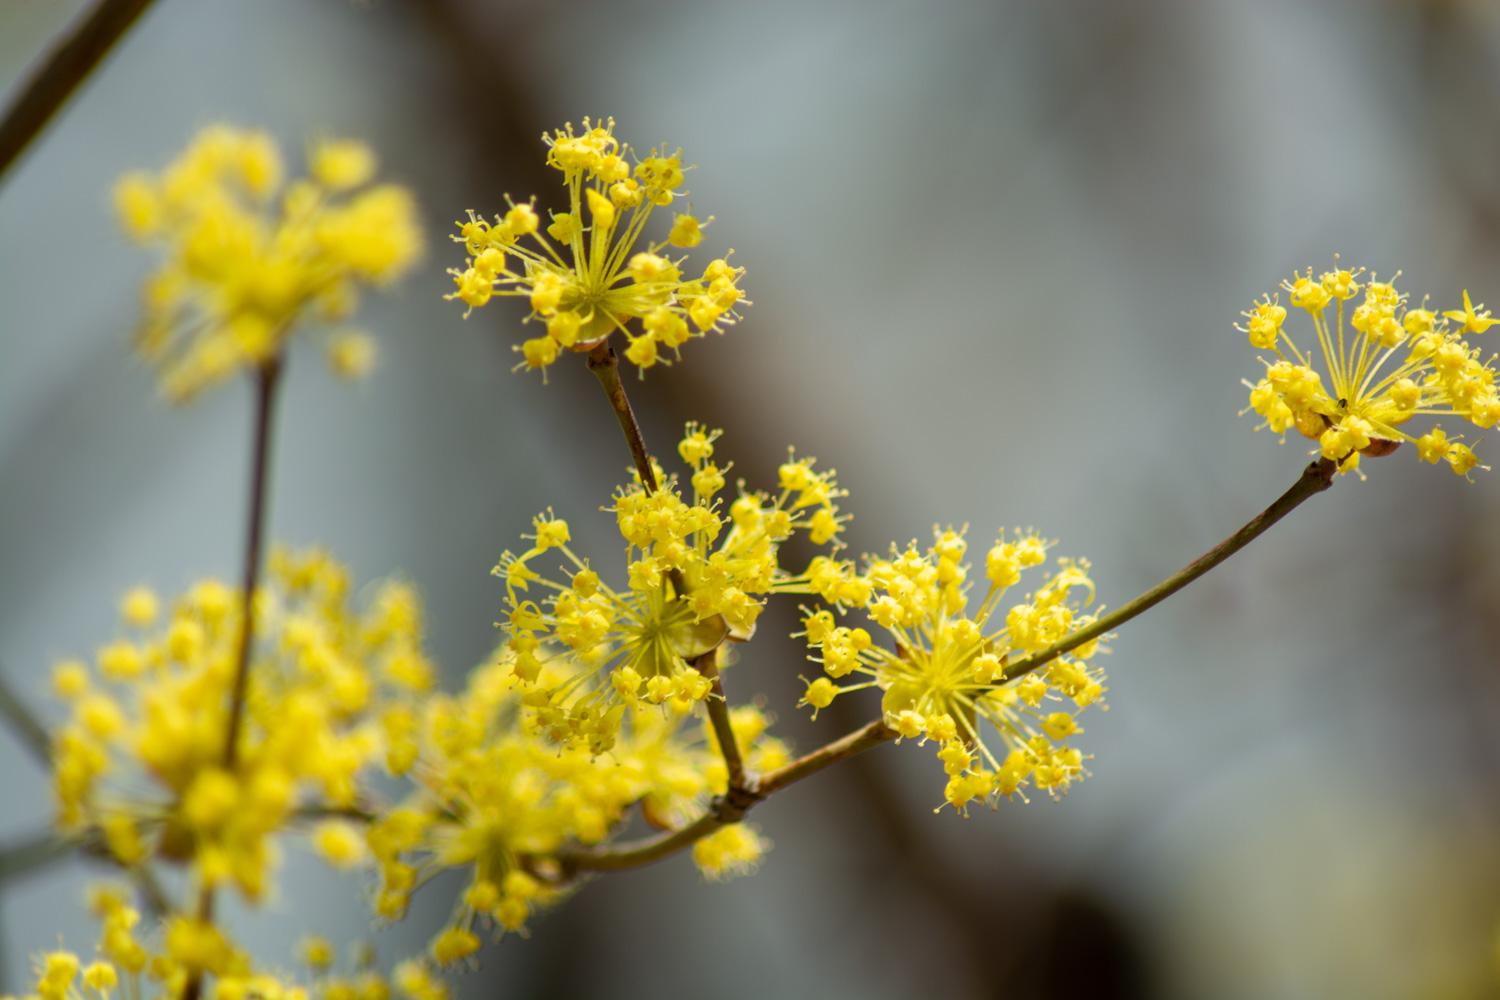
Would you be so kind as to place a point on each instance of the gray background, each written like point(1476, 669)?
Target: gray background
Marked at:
point(996, 252)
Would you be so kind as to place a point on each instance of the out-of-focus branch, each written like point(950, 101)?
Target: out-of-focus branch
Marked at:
point(42, 849)
point(267, 379)
point(59, 73)
point(492, 96)
point(36, 851)
point(23, 723)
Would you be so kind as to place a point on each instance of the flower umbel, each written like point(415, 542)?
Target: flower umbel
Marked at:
point(947, 670)
point(1373, 392)
point(248, 260)
point(141, 760)
point(497, 798)
point(137, 961)
point(584, 277)
point(695, 579)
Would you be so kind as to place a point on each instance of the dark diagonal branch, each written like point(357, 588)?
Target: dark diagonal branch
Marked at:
point(59, 73)
point(1316, 478)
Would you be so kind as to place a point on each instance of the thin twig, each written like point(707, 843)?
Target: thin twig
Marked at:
point(36, 851)
point(644, 851)
point(870, 735)
point(23, 723)
point(70, 61)
point(267, 377)
point(358, 813)
point(1316, 478)
point(633, 854)
point(155, 897)
point(738, 796)
point(606, 367)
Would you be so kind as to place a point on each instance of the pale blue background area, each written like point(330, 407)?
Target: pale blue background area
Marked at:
point(996, 252)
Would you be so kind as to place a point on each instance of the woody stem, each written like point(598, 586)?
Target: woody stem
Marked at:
point(1316, 478)
point(68, 64)
point(267, 379)
point(643, 852)
point(606, 367)
point(738, 795)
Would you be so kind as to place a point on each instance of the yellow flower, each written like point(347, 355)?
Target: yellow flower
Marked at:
point(416, 980)
point(142, 757)
point(696, 578)
point(317, 951)
point(247, 262)
point(946, 672)
point(588, 280)
point(339, 843)
point(351, 354)
point(1371, 392)
point(101, 977)
point(139, 607)
point(497, 796)
point(58, 968)
point(730, 851)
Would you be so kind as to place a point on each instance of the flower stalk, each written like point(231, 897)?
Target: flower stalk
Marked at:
point(605, 365)
point(634, 854)
point(738, 795)
point(68, 64)
point(1316, 478)
point(267, 380)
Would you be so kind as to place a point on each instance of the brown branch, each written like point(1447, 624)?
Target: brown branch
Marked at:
point(35, 852)
point(606, 367)
point(42, 849)
point(1316, 478)
point(24, 725)
point(615, 857)
point(267, 378)
point(871, 735)
point(739, 794)
point(72, 58)
point(641, 852)
point(357, 812)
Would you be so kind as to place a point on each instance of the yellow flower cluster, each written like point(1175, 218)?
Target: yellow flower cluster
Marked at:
point(128, 965)
point(1370, 395)
point(142, 759)
point(946, 672)
point(589, 280)
point(497, 798)
point(695, 578)
point(57, 978)
point(362, 980)
point(730, 851)
point(246, 260)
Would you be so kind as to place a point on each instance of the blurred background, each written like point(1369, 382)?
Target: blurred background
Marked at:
point(996, 252)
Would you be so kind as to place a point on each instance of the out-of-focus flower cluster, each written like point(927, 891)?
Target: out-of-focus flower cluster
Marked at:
point(246, 259)
point(142, 759)
point(129, 961)
point(334, 694)
point(697, 575)
point(946, 672)
point(583, 276)
point(1393, 364)
point(497, 798)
